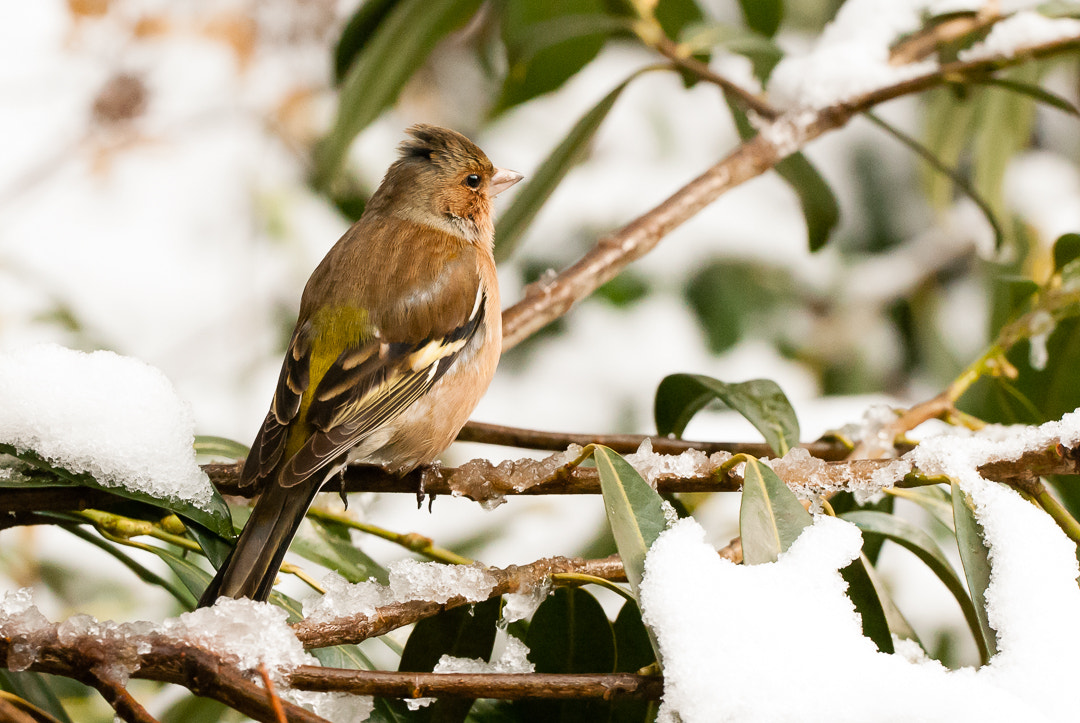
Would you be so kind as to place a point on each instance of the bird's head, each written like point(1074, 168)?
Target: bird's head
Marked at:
point(443, 180)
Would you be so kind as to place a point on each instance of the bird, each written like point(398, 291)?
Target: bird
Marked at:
point(397, 338)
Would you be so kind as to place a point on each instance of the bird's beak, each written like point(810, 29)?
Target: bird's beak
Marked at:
point(502, 180)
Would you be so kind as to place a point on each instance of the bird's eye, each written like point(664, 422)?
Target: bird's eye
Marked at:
point(472, 180)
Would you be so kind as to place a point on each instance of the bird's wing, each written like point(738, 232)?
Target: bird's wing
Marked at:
point(269, 444)
point(367, 386)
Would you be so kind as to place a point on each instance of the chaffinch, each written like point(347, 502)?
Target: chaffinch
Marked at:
point(398, 336)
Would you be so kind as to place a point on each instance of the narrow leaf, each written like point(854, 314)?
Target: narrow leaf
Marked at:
point(209, 446)
point(635, 511)
point(1031, 90)
point(36, 689)
point(330, 545)
point(771, 517)
point(398, 47)
point(144, 573)
point(358, 32)
point(863, 592)
point(938, 165)
point(820, 208)
point(976, 559)
point(539, 186)
point(760, 401)
point(922, 546)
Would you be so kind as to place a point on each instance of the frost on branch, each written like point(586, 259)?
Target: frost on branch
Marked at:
point(690, 464)
point(409, 580)
point(24, 625)
point(488, 484)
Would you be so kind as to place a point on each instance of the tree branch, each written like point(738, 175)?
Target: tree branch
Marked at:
point(515, 578)
point(547, 300)
point(627, 443)
point(478, 685)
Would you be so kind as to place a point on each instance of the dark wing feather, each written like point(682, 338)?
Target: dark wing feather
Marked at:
point(367, 387)
point(269, 444)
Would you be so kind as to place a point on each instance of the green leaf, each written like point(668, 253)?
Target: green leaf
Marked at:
point(675, 16)
point(144, 573)
point(34, 688)
point(1003, 127)
point(633, 651)
point(976, 559)
point(863, 592)
point(1032, 91)
point(466, 631)
point(397, 48)
point(569, 633)
point(214, 546)
point(957, 178)
point(193, 708)
point(820, 208)
point(635, 511)
point(819, 205)
point(771, 517)
point(462, 632)
point(762, 52)
point(209, 446)
point(1066, 250)
point(193, 577)
point(49, 475)
point(922, 546)
point(536, 190)
point(357, 33)
point(330, 545)
point(763, 16)
point(532, 71)
point(760, 401)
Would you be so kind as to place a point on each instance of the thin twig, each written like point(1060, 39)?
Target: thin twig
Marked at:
point(357, 628)
point(275, 701)
point(673, 52)
point(485, 433)
point(127, 708)
point(507, 686)
point(546, 301)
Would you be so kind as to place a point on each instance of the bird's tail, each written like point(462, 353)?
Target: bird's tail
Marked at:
point(252, 566)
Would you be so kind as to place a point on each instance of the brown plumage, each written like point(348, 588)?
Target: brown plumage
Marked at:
point(397, 338)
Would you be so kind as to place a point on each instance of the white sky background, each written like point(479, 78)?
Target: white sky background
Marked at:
point(184, 238)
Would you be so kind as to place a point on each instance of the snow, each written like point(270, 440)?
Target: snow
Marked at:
point(24, 625)
point(850, 57)
point(514, 660)
point(791, 621)
point(520, 605)
point(437, 582)
point(1022, 30)
point(692, 463)
point(409, 580)
point(112, 417)
point(245, 632)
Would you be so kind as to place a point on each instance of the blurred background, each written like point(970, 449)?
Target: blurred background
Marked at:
point(160, 196)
